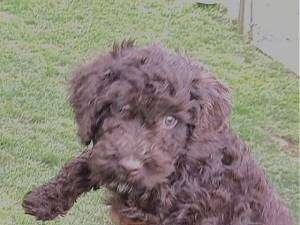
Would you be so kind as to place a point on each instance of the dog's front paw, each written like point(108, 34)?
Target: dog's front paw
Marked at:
point(43, 204)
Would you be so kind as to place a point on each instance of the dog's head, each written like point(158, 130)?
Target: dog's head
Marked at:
point(142, 108)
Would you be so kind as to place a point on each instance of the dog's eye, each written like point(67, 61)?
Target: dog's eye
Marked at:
point(170, 122)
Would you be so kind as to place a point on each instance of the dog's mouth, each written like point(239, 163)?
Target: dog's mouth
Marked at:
point(136, 180)
point(131, 164)
point(128, 172)
point(123, 187)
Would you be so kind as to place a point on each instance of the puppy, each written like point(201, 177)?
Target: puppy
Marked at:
point(162, 146)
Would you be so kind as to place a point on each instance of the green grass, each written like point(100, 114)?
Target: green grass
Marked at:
point(42, 41)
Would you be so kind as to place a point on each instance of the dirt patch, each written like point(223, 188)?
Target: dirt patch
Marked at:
point(6, 17)
point(287, 144)
point(293, 145)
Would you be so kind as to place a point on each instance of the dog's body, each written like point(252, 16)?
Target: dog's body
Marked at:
point(162, 146)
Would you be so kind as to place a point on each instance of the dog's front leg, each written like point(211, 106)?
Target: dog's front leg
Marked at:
point(57, 197)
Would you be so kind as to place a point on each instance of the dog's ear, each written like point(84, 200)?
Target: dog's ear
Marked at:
point(88, 86)
point(213, 101)
point(87, 90)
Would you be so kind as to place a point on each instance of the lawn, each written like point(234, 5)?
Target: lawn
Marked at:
point(42, 41)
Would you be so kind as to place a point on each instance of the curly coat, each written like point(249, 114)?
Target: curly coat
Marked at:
point(162, 146)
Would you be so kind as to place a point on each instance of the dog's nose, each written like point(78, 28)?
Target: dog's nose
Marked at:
point(130, 163)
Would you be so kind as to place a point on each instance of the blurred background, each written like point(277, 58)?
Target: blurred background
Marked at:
point(271, 26)
point(251, 45)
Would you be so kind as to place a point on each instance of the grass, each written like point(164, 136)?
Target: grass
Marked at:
point(43, 40)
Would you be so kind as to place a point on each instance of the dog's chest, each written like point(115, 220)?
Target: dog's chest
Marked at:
point(133, 206)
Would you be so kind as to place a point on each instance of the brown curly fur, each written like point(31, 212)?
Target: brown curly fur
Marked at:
point(195, 172)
